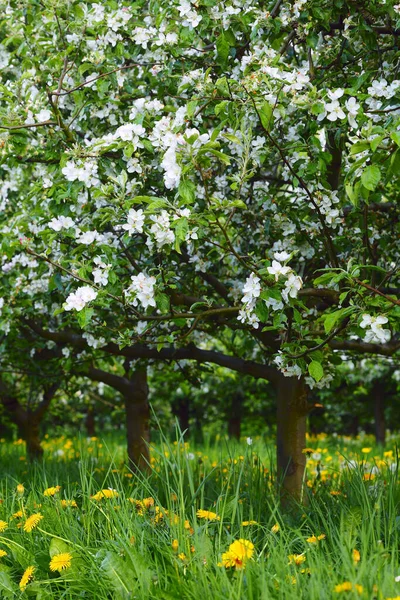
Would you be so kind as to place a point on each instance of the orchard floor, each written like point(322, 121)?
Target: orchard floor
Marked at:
point(80, 525)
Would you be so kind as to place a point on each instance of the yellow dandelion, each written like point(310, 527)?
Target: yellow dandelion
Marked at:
point(32, 522)
point(60, 562)
point(238, 554)
point(275, 528)
point(315, 539)
point(182, 556)
point(247, 523)
point(3, 553)
point(3, 526)
point(188, 527)
point(356, 556)
point(20, 488)
point(108, 493)
point(26, 577)
point(18, 515)
point(296, 559)
point(207, 514)
point(175, 545)
point(347, 586)
point(366, 450)
point(67, 503)
point(148, 502)
point(52, 491)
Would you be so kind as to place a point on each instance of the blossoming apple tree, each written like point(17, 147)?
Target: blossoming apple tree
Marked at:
point(215, 182)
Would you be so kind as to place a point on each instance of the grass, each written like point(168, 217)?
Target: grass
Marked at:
point(146, 541)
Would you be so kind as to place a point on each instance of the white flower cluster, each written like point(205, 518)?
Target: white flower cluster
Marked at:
point(334, 111)
point(100, 273)
point(142, 290)
point(78, 300)
point(375, 333)
point(190, 18)
point(161, 230)
point(135, 221)
point(92, 341)
point(251, 291)
point(130, 132)
point(59, 223)
point(285, 369)
point(85, 171)
point(293, 282)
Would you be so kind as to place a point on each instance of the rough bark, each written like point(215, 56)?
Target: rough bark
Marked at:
point(29, 430)
point(291, 438)
point(137, 412)
point(235, 416)
point(90, 423)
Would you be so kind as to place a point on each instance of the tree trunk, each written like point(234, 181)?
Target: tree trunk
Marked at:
point(378, 397)
point(291, 437)
point(235, 416)
point(138, 421)
point(90, 423)
point(29, 431)
point(181, 411)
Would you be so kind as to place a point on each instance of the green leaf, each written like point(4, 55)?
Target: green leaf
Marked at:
point(187, 191)
point(316, 370)
point(359, 147)
point(117, 573)
point(156, 205)
point(84, 316)
point(370, 177)
point(162, 301)
point(262, 311)
point(191, 108)
point(376, 141)
point(395, 136)
point(232, 138)
point(8, 589)
point(353, 192)
point(223, 48)
point(265, 111)
point(332, 318)
point(58, 546)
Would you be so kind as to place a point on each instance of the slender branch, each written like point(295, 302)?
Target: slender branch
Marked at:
point(85, 83)
point(28, 125)
point(378, 292)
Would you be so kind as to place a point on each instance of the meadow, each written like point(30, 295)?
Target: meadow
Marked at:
point(205, 523)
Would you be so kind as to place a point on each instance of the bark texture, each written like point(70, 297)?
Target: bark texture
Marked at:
point(291, 437)
point(137, 412)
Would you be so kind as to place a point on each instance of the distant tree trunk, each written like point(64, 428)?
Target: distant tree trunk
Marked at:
point(235, 415)
point(181, 411)
point(28, 421)
point(138, 420)
point(29, 430)
point(90, 422)
point(198, 429)
point(291, 437)
point(378, 398)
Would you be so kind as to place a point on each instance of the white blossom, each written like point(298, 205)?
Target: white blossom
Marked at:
point(78, 300)
point(142, 288)
point(61, 223)
point(135, 221)
point(376, 333)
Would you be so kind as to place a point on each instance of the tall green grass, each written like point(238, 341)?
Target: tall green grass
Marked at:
point(118, 553)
